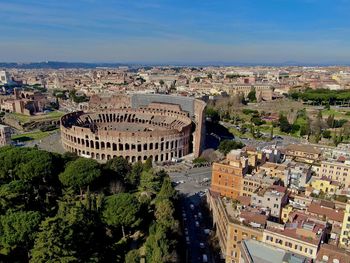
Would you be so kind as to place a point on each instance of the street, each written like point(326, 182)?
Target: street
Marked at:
point(192, 184)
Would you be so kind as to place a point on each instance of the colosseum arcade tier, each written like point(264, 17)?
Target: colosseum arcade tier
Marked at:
point(136, 127)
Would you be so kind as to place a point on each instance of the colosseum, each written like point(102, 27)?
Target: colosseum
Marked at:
point(136, 127)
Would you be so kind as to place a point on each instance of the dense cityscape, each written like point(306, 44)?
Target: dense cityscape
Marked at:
point(175, 164)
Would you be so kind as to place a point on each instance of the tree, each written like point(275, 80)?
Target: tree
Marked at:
point(167, 191)
point(317, 126)
point(252, 95)
point(330, 121)
point(133, 256)
point(284, 124)
point(149, 182)
point(164, 214)
point(18, 229)
point(295, 128)
point(305, 129)
point(133, 178)
point(80, 173)
point(327, 134)
point(226, 146)
point(119, 165)
point(199, 160)
point(118, 173)
point(74, 234)
point(53, 243)
point(197, 79)
point(257, 121)
point(161, 82)
point(271, 132)
point(14, 195)
point(121, 211)
point(148, 165)
point(157, 245)
point(212, 114)
point(38, 164)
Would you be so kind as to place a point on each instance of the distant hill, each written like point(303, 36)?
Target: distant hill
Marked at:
point(58, 65)
point(136, 65)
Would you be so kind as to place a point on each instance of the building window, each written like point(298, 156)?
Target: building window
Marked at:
point(269, 238)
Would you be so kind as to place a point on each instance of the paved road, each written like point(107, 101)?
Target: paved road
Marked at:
point(191, 188)
point(192, 180)
point(195, 224)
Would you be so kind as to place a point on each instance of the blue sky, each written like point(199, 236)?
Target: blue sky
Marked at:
point(311, 31)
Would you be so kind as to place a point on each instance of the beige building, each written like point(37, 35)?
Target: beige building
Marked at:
point(345, 230)
point(276, 170)
point(300, 241)
point(303, 152)
point(270, 200)
point(336, 171)
point(251, 183)
point(230, 231)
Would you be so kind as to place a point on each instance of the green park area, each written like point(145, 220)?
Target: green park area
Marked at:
point(30, 136)
point(337, 113)
point(325, 121)
point(25, 118)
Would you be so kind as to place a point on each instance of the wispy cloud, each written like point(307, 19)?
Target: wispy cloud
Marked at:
point(174, 30)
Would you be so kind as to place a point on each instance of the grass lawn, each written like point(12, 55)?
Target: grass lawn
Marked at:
point(338, 114)
point(37, 135)
point(24, 118)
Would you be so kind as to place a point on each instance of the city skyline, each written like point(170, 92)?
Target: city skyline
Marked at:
point(277, 31)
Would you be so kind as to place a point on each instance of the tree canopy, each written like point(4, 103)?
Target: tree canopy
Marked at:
point(80, 173)
point(43, 218)
point(226, 146)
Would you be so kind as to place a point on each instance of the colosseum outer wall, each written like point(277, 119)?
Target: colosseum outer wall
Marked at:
point(168, 141)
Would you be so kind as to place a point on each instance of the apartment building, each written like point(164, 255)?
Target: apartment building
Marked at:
point(345, 230)
point(326, 210)
point(271, 199)
point(330, 254)
point(253, 182)
point(303, 152)
point(337, 171)
point(253, 251)
point(255, 157)
point(229, 229)
point(276, 170)
point(299, 176)
point(227, 176)
point(325, 185)
point(301, 237)
point(233, 225)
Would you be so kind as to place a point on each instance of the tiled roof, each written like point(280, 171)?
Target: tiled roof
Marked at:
point(332, 214)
